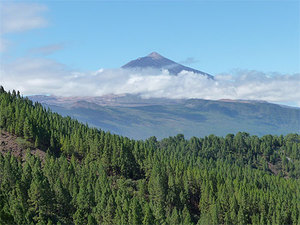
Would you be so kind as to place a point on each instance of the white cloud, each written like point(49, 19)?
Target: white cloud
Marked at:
point(43, 76)
point(4, 44)
point(189, 61)
point(47, 50)
point(19, 17)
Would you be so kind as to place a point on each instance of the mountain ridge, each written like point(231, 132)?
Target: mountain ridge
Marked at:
point(141, 118)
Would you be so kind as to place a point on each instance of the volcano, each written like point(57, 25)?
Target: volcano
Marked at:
point(157, 61)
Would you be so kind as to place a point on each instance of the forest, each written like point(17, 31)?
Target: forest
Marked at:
point(89, 176)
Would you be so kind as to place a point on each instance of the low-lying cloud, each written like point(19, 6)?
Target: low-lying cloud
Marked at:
point(34, 76)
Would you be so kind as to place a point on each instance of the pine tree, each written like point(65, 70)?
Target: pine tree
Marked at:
point(136, 213)
point(18, 206)
point(148, 216)
point(40, 197)
point(174, 219)
point(27, 129)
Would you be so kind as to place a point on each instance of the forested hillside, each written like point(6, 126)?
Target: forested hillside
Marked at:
point(89, 176)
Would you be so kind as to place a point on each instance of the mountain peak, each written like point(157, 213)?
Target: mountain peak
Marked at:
point(155, 55)
point(157, 61)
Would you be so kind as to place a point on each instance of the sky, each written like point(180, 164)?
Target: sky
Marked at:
point(60, 47)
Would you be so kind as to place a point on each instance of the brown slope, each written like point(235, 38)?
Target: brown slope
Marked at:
point(17, 146)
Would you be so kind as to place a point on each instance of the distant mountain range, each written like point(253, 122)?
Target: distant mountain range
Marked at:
point(155, 60)
point(135, 117)
point(132, 116)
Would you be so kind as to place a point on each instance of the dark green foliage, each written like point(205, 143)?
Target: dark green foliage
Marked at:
point(93, 177)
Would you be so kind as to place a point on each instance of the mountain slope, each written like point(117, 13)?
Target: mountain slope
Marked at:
point(155, 60)
point(139, 118)
point(89, 176)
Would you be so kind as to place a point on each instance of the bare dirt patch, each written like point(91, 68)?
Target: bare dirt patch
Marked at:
point(17, 146)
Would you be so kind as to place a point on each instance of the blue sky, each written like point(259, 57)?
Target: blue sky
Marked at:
point(74, 48)
point(216, 36)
